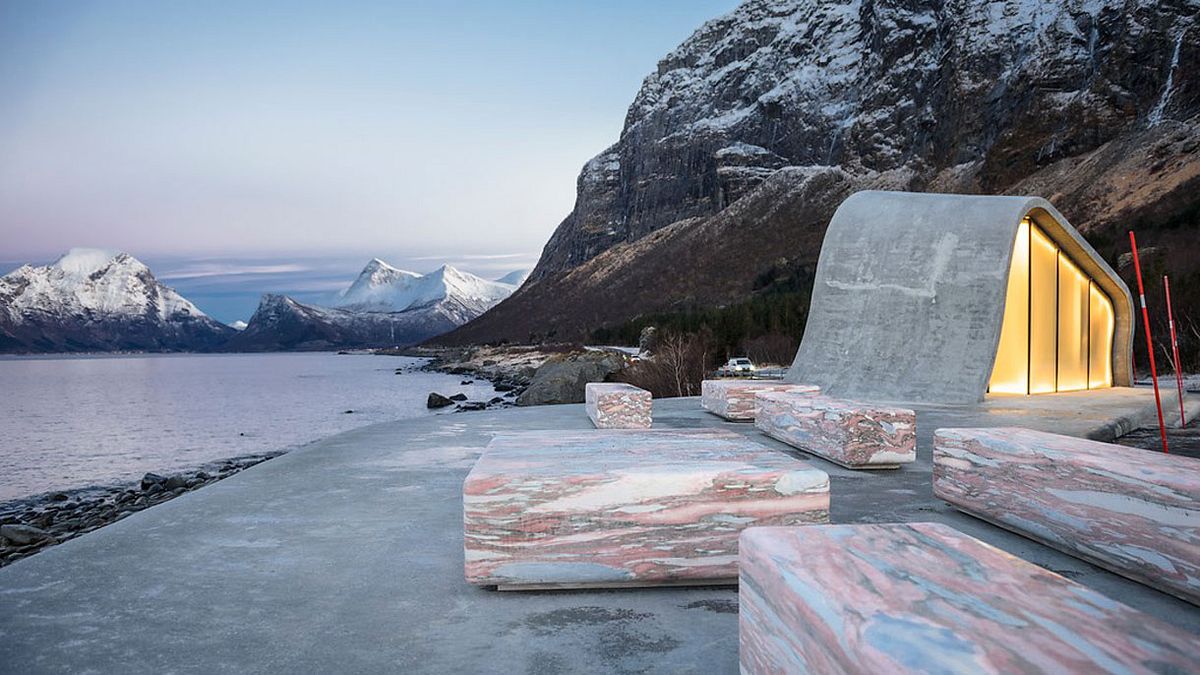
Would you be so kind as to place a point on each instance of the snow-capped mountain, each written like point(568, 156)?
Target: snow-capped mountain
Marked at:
point(383, 288)
point(95, 300)
point(384, 307)
point(514, 278)
point(744, 139)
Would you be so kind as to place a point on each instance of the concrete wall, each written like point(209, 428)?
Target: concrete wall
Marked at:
point(910, 290)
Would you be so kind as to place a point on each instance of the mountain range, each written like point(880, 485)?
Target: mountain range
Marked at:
point(743, 141)
point(385, 306)
point(94, 300)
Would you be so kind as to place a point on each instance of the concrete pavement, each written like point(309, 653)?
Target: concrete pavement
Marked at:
point(346, 556)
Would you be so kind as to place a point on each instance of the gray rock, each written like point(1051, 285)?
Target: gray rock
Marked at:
point(59, 497)
point(472, 405)
point(152, 479)
point(175, 482)
point(562, 378)
point(22, 535)
point(458, 397)
point(436, 400)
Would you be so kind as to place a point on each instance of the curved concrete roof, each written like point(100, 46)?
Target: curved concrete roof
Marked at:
point(910, 291)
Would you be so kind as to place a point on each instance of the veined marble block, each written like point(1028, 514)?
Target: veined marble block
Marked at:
point(615, 405)
point(925, 598)
point(572, 509)
point(1131, 511)
point(851, 433)
point(734, 399)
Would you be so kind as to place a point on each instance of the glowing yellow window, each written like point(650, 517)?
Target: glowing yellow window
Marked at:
point(1043, 313)
point(1101, 324)
point(1058, 326)
point(1073, 329)
point(1010, 375)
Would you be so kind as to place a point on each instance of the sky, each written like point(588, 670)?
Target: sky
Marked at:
point(245, 147)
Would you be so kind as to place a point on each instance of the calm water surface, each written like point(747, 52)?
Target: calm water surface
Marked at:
point(76, 421)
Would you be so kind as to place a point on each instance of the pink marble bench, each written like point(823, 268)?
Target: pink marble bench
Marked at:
point(615, 405)
point(850, 433)
point(1131, 511)
point(734, 399)
point(555, 509)
point(923, 597)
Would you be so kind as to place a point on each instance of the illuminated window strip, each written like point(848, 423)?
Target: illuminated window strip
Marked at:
point(1087, 330)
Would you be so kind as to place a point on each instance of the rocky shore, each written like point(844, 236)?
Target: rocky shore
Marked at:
point(32, 524)
point(526, 374)
point(509, 368)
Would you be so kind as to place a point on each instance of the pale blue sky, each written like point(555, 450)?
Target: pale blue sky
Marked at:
point(340, 130)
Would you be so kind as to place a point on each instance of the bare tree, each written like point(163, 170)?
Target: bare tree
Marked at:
point(678, 365)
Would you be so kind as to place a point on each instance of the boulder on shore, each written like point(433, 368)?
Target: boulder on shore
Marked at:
point(436, 400)
point(23, 534)
point(562, 379)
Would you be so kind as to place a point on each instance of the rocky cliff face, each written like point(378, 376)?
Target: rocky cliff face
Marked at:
point(91, 300)
point(1064, 99)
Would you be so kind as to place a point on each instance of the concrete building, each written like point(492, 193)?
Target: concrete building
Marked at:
point(938, 298)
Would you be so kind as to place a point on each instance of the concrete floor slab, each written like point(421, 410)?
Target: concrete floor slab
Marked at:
point(346, 556)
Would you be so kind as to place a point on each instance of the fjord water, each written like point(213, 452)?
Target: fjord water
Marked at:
point(72, 421)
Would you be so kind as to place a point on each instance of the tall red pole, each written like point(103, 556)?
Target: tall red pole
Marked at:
point(1137, 266)
point(1175, 351)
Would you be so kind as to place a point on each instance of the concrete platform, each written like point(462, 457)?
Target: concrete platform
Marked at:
point(346, 556)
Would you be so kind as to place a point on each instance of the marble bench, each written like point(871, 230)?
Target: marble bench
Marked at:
point(558, 509)
point(850, 433)
point(615, 405)
point(1131, 511)
point(925, 598)
point(734, 399)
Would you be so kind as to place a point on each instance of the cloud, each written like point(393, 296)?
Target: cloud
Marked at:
point(198, 271)
point(495, 256)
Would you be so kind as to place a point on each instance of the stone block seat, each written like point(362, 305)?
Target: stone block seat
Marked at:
point(616, 405)
point(735, 399)
point(1131, 511)
point(853, 434)
point(558, 509)
point(925, 598)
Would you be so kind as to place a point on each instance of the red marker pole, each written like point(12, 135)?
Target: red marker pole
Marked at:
point(1137, 266)
point(1175, 351)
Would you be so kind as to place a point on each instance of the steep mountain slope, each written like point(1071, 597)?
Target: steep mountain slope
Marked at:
point(91, 300)
point(1090, 103)
point(384, 307)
